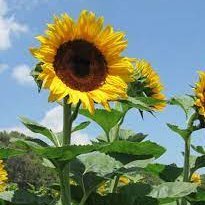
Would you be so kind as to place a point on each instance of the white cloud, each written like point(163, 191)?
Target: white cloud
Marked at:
point(53, 120)
point(3, 67)
point(21, 74)
point(8, 26)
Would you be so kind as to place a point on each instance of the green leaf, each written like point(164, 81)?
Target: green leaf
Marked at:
point(185, 102)
point(198, 196)
point(138, 103)
point(143, 149)
point(168, 173)
point(131, 136)
point(182, 132)
point(105, 119)
point(199, 163)
point(6, 153)
point(89, 170)
point(173, 190)
point(81, 126)
point(37, 128)
point(99, 163)
point(198, 149)
point(35, 73)
point(24, 197)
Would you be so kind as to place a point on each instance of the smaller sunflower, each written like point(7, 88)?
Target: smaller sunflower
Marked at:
point(200, 94)
point(147, 84)
point(3, 177)
point(196, 178)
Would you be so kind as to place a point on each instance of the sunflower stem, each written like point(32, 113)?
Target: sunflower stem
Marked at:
point(187, 148)
point(64, 174)
point(114, 184)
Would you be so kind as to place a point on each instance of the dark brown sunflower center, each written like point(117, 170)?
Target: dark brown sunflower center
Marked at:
point(80, 65)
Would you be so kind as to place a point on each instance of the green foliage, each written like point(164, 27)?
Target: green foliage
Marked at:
point(81, 126)
point(26, 169)
point(141, 150)
point(168, 173)
point(37, 128)
point(21, 197)
point(182, 132)
point(35, 73)
point(199, 163)
point(105, 119)
point(184, 102)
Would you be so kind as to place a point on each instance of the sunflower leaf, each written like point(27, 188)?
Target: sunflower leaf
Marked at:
point(182, 132)
point(81, 126)
point(37, 128)
point(185, 102)
point(173, 190)
point(105, 119)
point(140, 150)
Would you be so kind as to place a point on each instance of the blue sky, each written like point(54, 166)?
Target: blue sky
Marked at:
point(169, 34)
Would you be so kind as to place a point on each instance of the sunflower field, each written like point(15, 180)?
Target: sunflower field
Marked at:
point(81, 63)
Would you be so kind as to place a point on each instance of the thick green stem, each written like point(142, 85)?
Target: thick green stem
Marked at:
point(187, 159)
point(64, 174)
point(190, 129)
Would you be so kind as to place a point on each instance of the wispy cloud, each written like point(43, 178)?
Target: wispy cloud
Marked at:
point(8, 26)
point(21, 74)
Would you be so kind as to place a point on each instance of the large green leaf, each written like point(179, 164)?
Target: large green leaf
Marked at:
point(182, 132)
point(105, 119)
point(22, 197)
point(185, 102)
point(168, 173)
point(91, 169)
point(173, 190)
point(6, 153)
point(143, 149)
point(99, 163)
point(37, 128)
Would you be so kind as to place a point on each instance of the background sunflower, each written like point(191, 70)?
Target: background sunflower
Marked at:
point(83, 60)
point(3, 177)
point(200, 94)
point(147, 84)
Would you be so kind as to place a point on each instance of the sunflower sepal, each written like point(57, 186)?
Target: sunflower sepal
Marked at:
point(35, 74)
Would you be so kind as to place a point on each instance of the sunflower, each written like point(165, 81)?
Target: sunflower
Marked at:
point(3, 177)
point(147, 84)
point(196, 178)
point(83, 59)
point(200, 94)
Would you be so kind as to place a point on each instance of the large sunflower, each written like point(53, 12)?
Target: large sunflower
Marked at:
point(200, 94)
point(3, 177)
point(83, 60)
point(147, 84)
